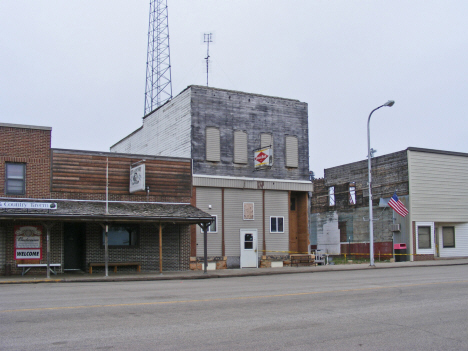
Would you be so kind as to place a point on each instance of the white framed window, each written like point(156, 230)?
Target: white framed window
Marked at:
point(240, 147)
point(213, 228)
point(425, 238)
point(213, 151)
point(276, 224)
point(15, 178)
point(331, 196)
point(448, 237)
point(248, 211)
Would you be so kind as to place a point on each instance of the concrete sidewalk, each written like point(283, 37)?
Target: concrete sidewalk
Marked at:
point(224, 273)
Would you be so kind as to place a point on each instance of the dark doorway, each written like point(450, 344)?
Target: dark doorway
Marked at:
point(73, 244)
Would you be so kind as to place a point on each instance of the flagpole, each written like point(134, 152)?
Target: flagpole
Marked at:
point(389, 103)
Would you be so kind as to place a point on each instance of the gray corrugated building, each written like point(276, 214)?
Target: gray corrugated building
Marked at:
point(261, 212)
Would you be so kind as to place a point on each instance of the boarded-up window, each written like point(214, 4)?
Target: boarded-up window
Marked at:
point(448, 236)
point(266, 139)
point(292, 159)
point(248, 211)
point(240, 147)
point(212, 144)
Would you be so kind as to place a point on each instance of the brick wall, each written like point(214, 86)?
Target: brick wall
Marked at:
point(29, 145)
point(56, 249)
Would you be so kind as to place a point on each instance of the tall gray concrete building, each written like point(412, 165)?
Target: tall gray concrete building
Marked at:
point(250, 157)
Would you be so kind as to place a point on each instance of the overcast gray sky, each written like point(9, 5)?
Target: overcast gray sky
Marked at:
point(78, 66)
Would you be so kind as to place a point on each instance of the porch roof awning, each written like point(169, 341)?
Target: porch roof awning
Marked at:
point(95, 211)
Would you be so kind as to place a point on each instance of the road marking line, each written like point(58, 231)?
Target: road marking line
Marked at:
point(226, 298)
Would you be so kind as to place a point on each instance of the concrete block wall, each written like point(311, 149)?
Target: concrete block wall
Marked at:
point(176, 248)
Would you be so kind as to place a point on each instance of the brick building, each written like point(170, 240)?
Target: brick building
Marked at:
point(258, 198)
point(430, 183)
point(55, 206)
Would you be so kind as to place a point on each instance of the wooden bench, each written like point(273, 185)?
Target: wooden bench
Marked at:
point(302, 259)
point(27, 266)
point(114, 264)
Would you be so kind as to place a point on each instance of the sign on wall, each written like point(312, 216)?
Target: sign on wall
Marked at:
point(28, 242)
point(263, 157)
point(137, 178)
point(29, 205)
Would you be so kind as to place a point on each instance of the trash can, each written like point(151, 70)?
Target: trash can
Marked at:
point(400, 252)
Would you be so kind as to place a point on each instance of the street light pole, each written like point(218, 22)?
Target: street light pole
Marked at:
point(389, 103)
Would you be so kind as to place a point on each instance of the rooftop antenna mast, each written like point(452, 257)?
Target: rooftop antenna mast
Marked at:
point(208, 38)
point(158, 63)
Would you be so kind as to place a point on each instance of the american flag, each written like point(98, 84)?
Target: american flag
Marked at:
point(398, 206)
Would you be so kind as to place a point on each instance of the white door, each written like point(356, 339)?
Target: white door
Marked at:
point(248, 242)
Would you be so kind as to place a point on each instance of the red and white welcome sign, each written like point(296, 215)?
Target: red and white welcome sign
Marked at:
point(28, 242)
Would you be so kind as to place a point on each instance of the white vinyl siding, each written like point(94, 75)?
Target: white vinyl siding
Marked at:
point(205, 198)
point(276, 205)
point(240, 147)
point(165, 132)
point(213, 152)
point(292, 152)
point(438, 187)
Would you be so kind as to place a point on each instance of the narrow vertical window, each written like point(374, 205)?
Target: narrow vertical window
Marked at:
point(292, 152)
point(240, 147)
point(352, 193)
point(448, 236)
point(331, 196)
point(343, 232)
point(213, 228)
point(15, 178)
point(213, 152)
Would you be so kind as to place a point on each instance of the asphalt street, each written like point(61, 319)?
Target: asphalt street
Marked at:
point(420, 308)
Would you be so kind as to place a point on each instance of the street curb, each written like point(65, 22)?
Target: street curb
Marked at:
point(285, 270)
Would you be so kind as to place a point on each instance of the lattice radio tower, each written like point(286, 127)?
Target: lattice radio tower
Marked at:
point(158, 62)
